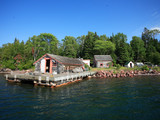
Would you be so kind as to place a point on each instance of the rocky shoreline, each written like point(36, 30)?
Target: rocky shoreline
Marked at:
point(122, 73)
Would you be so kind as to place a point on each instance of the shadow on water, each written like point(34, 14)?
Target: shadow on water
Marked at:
point(114, 99)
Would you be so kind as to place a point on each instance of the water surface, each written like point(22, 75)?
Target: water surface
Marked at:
point(94, 99)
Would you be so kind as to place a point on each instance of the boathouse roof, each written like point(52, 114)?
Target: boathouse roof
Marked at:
point(103, 58)
point(63, 60)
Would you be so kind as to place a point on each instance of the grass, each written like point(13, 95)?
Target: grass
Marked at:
point(112, 69)
point(115, 69)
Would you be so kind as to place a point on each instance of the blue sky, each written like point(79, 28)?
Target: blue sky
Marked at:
point(24, 18)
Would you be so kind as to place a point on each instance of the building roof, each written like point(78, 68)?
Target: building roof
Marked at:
point(63, 60)
point(128, 62)
point(103, 58)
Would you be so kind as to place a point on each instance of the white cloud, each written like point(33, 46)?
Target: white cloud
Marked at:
point(153, 28)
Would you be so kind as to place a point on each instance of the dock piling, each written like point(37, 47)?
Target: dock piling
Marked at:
point(6, 77)
point(47, 80)
point(15, 77)
point(39, 79)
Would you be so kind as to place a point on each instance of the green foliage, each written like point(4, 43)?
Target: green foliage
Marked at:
point(104, 47)
point(152, 45)
point(138, 48)
point(69, 47)
point(28, 64)
point(110, 64)
point(146, 49)
point(87, 67)
point(145, 67)
point(156, 68)
point(9, 64)
point(155, 58)
point(118, 66)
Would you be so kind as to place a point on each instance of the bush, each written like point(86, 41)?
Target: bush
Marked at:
point(156, 68)
point(87, 67)
point(28, 65)
point(110, 64)
point(9, 64)
point(20, 67)
point(117, 66)
point(145, 67)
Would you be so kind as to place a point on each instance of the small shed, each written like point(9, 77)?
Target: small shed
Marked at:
point(129, 64)
point(86, 61)
point(102, 61)
point(55, 64)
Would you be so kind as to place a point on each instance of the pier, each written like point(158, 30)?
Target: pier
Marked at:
point(49, 79)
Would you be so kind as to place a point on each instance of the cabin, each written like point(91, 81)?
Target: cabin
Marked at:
point(55, 64)
point(102, 61)
point(129, 64)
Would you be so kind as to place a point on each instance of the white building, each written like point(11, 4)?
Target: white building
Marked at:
point(87, 62)
point(129, 64)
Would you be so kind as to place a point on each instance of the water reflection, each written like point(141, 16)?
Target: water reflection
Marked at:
point(124, 98)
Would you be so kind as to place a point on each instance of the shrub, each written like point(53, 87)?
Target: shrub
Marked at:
point(117, 66)
point(28, 65)
point(156, 68)
point(9, 64)
point(110, 64)
point(145, 67)
point(87, 67)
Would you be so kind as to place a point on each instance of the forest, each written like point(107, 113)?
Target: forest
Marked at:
point(21, 55)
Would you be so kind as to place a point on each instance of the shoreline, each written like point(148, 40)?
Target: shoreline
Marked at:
point(122, 73)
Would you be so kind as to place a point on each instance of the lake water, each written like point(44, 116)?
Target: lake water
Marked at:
point(135, 98)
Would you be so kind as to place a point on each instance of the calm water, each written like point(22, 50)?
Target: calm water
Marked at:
point(95, 99)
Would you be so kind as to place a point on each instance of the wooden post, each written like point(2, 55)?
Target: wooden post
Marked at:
point(39, 79)
point(50, 66)
point(6, 77)
point(15, 77)
point(62, 81)
point(47, 80)
point(72, 78)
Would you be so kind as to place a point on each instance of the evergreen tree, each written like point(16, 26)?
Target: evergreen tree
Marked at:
point(138, 48)
point(89, 43)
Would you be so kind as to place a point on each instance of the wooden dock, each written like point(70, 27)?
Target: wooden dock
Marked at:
point(49, 80)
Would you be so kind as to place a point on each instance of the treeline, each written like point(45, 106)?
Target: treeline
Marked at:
point(21, 55)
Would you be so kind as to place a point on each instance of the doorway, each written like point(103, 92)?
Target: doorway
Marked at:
point(131, 65)
point(47, 66)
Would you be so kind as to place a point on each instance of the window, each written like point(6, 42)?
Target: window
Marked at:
point(107, 64)
point(101, 64)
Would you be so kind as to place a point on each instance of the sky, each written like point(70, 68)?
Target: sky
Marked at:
point(22, 19)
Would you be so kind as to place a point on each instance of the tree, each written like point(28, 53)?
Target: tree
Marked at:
point(44, 43)
point(123, 51)
point(80, 41)
point(70, 47)
point(88, 51)
point(138, 48)
point(151, 44)
point(124, 55)
point(155, 58)
point(36, 46)
point(104, 47)
point(104, 38)
point(49, 42)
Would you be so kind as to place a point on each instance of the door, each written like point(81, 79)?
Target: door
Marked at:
point(48, 66)
point(43, 65)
